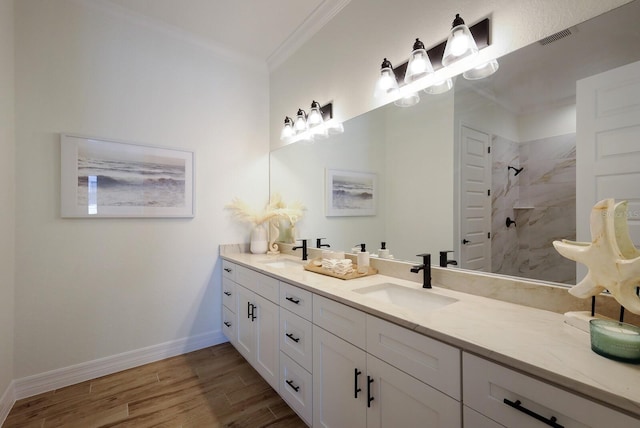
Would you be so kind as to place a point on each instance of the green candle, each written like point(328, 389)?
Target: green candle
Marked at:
point(615, 340)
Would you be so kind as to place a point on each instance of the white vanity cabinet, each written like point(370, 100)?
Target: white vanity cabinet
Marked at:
point(355, 388)
point(513, 399)
point(257, 324)
point(229, 307)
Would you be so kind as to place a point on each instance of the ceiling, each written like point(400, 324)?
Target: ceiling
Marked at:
point(267, 31)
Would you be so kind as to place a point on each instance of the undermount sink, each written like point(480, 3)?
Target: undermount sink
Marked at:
point(282, 264)
point(418, 300)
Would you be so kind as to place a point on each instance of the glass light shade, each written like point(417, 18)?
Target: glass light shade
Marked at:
point(408, 100)
point(439, 87)
point(481, 71)
point(460, 43)
point(419, 64)
point(301, 122)
point(387, 83)
point(315, 115)
point(287, 129)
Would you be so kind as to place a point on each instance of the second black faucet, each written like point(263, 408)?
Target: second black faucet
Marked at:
point(425, 267)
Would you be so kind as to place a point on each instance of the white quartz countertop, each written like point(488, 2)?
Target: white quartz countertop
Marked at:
point(533, 341)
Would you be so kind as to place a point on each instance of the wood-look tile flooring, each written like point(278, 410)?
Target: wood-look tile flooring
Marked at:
point(212, 387)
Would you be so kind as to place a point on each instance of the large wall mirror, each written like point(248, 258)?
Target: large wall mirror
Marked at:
point(487, 170)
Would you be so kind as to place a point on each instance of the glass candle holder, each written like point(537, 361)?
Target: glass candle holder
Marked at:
point(615, 340)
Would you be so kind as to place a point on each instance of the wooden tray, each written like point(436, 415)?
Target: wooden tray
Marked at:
point(318, 269)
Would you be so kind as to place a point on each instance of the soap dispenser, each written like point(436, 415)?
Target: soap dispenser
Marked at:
point(363, 259)
point(383, 253)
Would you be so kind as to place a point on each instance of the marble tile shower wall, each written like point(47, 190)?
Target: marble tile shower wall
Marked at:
point(546, 189)
point(504, 197)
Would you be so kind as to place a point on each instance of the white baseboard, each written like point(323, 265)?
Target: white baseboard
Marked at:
point(59, 378)
point(7, 401)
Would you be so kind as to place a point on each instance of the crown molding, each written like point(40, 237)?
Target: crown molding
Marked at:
point(309, 27)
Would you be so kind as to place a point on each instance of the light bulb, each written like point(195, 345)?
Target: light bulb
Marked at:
point(419, 64)
point(287, 129)
point(460, 44)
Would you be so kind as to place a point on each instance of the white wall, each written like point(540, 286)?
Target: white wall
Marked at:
point(341, 62)
point(90, 288)
point(7, 189)
point(550, 122)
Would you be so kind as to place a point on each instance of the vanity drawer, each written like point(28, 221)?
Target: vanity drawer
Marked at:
point(341, 320)
point(296, 387)
point(296, 338)
point(487, 385)
point(264, 285)
point(296, 300)
point(430, 361)
point(229, 324)
point(229, 294)
point(228, 270)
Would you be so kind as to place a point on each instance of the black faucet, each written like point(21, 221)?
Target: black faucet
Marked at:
point(425, 267)
point(319, 243)
point(304, 248)
point(444, 261)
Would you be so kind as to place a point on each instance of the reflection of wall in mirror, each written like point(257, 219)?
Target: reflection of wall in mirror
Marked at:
point(543, 142)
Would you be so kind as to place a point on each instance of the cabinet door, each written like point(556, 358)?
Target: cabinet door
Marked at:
point(476, 420)
point(339, 382)
point(245, 331)
point(267, 352)
point(399, 400)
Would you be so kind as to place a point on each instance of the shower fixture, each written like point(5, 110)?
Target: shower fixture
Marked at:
point(518, 171)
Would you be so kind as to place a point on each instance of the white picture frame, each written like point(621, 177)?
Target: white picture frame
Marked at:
point(102, 178)
point(350, 193)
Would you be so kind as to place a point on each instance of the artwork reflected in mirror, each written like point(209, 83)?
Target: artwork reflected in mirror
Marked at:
point(487, 170)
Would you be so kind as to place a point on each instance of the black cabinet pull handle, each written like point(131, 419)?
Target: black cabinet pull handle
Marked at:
point(290, 336)
point(227, 323)
point(253, 312)
point(228, 270)
point(295, 388)
point(292, 300)
point(518, 406)
point(227, 293)
point(355, 383)
point(465, 241)
point(369, 397)
point(248, 309)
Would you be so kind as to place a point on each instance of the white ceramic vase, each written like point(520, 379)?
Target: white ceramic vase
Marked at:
point(259, 241)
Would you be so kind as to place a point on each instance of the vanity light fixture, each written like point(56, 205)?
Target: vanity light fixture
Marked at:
point(460, 44)
point(318, 124)
point(387, 82)
point(422, 70)
point(419, 63)
point(315, 116)
point(287, 129)
point(300, 124)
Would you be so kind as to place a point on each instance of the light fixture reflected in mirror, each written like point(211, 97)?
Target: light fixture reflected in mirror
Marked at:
point(419, 64)
point(460, 44)
point(481, 71)
point(387, 83)
point(408, 100)
point(440, 87)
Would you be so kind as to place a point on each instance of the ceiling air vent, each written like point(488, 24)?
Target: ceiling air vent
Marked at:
point(555, 37)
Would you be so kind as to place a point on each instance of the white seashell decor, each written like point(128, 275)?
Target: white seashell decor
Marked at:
point(612, 259)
